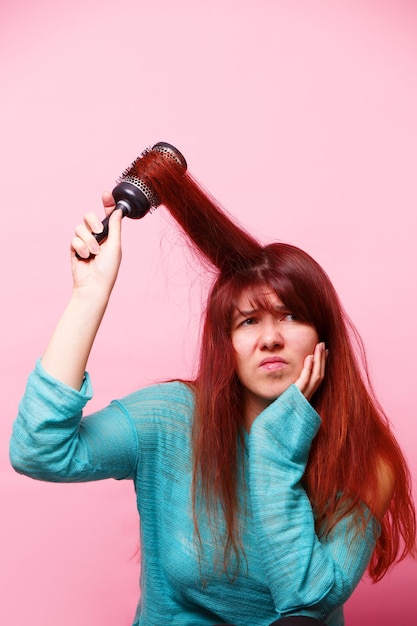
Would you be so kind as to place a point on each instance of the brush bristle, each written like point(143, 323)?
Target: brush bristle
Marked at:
point(133, 166)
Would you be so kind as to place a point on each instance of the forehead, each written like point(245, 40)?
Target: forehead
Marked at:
point(258, 297)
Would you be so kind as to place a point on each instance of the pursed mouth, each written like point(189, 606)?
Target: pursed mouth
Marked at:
point(273, 363)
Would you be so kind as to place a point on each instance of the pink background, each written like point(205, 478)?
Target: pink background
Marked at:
point(300, 117)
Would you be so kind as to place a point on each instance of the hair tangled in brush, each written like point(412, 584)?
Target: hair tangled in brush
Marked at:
point(355, 436)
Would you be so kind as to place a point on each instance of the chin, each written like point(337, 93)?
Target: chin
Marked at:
point(278, 392)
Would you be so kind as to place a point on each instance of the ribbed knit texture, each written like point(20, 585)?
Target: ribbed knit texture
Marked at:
point(146, 437)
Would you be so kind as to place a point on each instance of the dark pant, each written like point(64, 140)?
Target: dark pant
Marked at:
point(297, 620)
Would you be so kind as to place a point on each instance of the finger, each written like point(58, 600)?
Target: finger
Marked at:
point(316, 372)
point(108, 202)
point(318, 369)
point(304, 378)
point(324, 360)
point(312, 373)
point(319, 363)
point(115, 227)
point(93, 222)
point(79, 248)
point(84, 243)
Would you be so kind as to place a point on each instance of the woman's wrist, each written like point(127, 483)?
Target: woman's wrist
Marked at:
point(90, 298)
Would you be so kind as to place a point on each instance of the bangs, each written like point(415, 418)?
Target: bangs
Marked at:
point(259, 298)
point(289, 273)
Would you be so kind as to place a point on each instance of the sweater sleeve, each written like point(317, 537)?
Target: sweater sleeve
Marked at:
point(306, 575)
point(51, 441)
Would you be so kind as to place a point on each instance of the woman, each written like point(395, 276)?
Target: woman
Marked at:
point(266, 486)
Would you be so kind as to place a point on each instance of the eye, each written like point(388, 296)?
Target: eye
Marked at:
point(289, 317)
point(249, 321)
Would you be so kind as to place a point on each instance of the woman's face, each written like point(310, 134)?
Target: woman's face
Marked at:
point(270, 348)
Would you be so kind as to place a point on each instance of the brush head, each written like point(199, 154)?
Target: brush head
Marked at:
point(134, 193)
point(170, 152)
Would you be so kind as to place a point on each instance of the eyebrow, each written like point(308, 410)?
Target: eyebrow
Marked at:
point(280, 308)
point(237, 314)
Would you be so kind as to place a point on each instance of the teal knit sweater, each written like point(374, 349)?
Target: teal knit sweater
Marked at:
point(286, 569)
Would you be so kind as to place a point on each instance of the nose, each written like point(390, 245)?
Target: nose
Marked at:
point(271, 336)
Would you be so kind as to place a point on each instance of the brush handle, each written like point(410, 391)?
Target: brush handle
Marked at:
point(100, 237)
point(132, 195)
point(132, 202)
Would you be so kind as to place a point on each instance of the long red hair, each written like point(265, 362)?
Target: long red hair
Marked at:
point(355, 435)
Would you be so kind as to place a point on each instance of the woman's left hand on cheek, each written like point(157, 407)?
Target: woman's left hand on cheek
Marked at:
point(313, 371)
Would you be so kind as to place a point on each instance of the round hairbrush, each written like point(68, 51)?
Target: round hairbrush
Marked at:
point(134, 194)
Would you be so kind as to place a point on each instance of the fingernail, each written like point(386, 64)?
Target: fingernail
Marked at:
point(95, 247)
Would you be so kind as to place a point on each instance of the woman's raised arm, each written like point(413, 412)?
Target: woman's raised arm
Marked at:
point(94, 270)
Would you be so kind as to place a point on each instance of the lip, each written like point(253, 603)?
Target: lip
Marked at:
point(273, 363)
